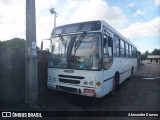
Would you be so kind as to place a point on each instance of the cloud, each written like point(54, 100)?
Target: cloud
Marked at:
point(11, 2)
point(12, 18)
point(12, 14)
point(157, 2)
point(44, 20)
point(139, 12)
point(142, 29)
point(12, 23)
point(77, 11)
point(93, 10)
point(143, 34)
point(44, 6)
point(131, 4)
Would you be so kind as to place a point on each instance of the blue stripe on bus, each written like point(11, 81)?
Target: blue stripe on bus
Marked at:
point(108, 79)
point(120, 73)
point(125, 71)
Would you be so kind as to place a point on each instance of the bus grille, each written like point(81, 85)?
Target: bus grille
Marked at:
point(69, 81)
point(68, 89)
point(69, 76)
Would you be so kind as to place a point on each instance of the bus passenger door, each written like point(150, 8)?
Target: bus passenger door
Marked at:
point(107, 63)
point(107, 52)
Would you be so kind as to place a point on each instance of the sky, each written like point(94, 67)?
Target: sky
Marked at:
point(137, 20)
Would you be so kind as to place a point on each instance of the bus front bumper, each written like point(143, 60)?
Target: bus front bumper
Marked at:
point(81, 90)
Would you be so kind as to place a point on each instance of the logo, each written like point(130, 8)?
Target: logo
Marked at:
point(6, 114)
point(69, 71)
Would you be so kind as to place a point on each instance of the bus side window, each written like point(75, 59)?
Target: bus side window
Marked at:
point(116, 47)
point(108, 51)
point(127, 51)
point(122, 48)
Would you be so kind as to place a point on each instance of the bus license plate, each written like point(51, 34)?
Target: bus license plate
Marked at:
point(89, 91)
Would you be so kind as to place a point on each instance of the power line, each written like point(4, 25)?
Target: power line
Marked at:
point(134, 10)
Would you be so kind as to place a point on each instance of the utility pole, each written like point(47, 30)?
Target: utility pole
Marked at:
point(52, 11)
point(31, 82)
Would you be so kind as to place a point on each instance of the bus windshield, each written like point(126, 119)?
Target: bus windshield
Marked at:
point(76, 51)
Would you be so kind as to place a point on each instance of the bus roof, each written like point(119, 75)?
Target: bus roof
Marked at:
point(103, 23)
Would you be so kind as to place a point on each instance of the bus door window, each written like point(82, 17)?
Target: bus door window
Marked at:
point(108, 51)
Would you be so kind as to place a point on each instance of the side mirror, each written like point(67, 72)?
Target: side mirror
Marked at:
point(45, 44)
point(110, 42)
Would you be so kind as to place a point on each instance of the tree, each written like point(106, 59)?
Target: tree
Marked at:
point(13, 43)
point(144, 55)
point(156, 52)
point(1, 44)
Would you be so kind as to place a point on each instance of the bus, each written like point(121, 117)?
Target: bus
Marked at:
point(89, 58)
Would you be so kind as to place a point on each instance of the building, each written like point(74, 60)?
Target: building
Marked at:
point(153, 59)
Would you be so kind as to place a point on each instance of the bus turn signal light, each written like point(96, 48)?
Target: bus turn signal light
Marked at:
point(98, 83)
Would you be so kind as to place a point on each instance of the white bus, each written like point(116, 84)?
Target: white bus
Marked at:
point(89, 58)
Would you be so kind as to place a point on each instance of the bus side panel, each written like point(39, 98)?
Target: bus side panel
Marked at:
point(107, 86)
point(109, 76)
point(126, 67)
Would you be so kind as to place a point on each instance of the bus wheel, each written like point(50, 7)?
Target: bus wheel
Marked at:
point(115, 83)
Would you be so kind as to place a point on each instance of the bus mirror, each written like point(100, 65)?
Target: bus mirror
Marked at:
point(110, 42)
point(41, 45)
point(45, 44)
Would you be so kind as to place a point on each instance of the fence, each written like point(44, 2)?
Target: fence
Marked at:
point(12, 74)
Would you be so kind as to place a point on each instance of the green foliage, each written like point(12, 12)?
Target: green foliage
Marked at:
point(156, 52)
point(13, 43)
point(1, 44)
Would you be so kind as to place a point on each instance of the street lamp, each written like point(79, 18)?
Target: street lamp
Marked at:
point(52, 11)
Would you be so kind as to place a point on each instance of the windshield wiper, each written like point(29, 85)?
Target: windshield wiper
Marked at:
point(62, 40)
point(79, 41)
point(76, 44)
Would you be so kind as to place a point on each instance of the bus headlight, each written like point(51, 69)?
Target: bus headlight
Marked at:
point(50, 78)
point(85, 82)
point(54, 79)
point(91, 82)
